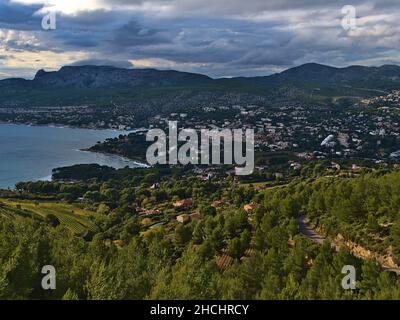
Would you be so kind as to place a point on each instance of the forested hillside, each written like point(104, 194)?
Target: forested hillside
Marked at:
point(243, 243)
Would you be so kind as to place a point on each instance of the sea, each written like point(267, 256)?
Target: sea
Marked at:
point(29, 153)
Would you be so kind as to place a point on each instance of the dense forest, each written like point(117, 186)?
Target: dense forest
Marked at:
point(138, 249)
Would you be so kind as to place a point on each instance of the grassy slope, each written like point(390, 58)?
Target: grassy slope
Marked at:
point(74, 218)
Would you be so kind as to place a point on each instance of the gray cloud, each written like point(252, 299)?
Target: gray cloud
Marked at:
point(133, 34)
point(17, 16)
point(219, 38)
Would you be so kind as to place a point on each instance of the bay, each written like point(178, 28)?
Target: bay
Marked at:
point(29, 153)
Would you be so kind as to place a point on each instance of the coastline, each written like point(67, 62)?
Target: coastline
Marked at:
point(138, 161)
point(132, 163)
point(61, 126)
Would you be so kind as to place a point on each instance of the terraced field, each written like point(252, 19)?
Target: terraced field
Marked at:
point(73, 217)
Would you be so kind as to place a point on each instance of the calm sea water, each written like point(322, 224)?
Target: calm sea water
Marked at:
point(29, 153)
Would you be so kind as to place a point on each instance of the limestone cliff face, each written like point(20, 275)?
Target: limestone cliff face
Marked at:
point(386, 261)
point(105, 85)
point(104, 76)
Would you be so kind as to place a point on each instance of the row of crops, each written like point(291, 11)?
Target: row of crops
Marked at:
point(74, 218)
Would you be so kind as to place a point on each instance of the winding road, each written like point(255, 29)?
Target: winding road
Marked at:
point(306, 230)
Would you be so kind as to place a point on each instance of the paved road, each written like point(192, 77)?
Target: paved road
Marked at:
point(307, 231)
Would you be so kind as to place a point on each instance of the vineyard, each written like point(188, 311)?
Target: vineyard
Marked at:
point(74, 218)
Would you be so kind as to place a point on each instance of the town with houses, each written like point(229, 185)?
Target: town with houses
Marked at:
point(366, 130)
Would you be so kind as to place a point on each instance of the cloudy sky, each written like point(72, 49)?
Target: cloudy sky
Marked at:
point(214, 37)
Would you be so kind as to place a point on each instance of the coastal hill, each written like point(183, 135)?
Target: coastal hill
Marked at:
point(104, 76)
point(105, 85)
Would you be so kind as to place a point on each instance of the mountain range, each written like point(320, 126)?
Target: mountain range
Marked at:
point(102, 85)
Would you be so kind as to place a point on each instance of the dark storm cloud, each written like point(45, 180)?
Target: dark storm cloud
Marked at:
point(216, 37)
point(133, 34)
point(17, 16)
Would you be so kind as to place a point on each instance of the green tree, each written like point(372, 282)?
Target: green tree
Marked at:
point(182, 235)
